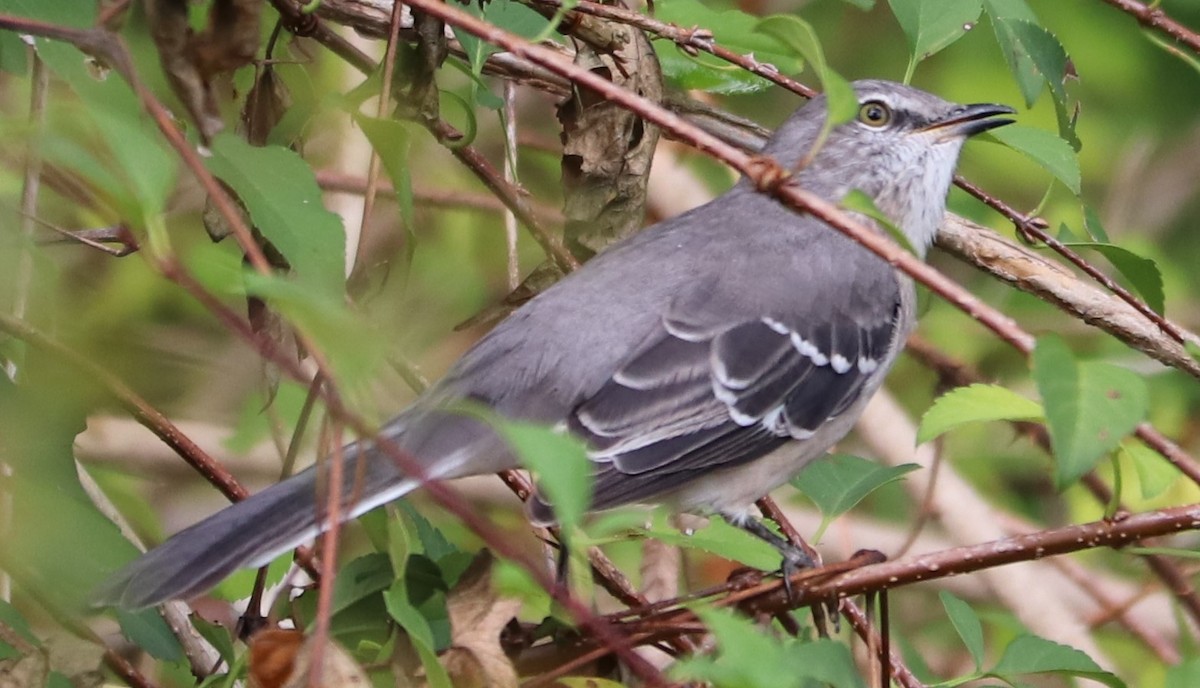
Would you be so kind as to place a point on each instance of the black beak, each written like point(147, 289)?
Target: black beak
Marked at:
point(970, 120)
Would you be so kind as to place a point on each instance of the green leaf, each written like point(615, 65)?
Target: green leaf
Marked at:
point(279, 190)
point(1043, 49)
point(931, 25)
point(721, 539)
point(147, 630)
point(967, 624)
point(733, 29)
point(1184, 675)
point(1028, 79)
point(1046, 149)
point(837, 482)
point(977, 403)
point(1193, 349)
point(419, 632)
point(747, 657)
point(391, 141)
point(1090, 406)
point(1028, 654)
point(861, 4)
point(560, 461)
point(1155, 474)
point(1165, 551)
point(799, 35)
point(1142, 273)
point(1091, 222)
point(361, 578)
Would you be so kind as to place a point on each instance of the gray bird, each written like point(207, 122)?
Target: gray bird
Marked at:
point(704, 361)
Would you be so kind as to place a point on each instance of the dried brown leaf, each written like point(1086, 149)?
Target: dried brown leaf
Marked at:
point(477, 616)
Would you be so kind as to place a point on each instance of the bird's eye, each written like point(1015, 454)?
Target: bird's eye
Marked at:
point(874, 113)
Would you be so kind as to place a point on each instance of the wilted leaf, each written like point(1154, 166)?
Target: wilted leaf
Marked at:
point(477, 616)
point(282, 658)
point(975, 404)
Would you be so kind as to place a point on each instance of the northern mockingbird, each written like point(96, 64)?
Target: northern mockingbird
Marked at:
point(704, 361)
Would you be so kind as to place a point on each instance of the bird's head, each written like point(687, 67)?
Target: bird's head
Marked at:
point(900, 149)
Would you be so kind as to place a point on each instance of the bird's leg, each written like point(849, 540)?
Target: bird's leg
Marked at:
point(794, 558)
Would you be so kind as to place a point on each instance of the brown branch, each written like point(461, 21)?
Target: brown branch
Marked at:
point(141, 410)
point(1034, 230)
point(1154, 18)
point(443, 495)
point(689, 40)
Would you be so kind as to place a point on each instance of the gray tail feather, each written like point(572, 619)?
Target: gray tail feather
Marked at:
point(249, 533)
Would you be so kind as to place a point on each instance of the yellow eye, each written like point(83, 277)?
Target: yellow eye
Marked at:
point(875, 113)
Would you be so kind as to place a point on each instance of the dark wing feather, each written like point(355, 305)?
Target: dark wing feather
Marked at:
point(693, 400)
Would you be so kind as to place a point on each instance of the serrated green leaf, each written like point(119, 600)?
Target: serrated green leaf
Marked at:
point(363, 577)
point(1028, 654)
point(280, 191)
point(977, 403)
point(1155, 474)
point(147, 630)
point(931, 25)
point(391, 140)
point(1046, 149)
point(966, 623)
point(837, 482)
point(1141, 273)
point(733, 29)
point(1028, 79)
point(1043, 49)
point(1090, 406)
point(560, 461)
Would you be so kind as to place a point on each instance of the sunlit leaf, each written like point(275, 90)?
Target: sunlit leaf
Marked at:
point(1155, 474)
point(975, 404)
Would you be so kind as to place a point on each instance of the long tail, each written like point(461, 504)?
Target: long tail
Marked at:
point(249, 533)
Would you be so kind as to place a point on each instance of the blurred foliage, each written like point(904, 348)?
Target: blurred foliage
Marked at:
point(1109, 156)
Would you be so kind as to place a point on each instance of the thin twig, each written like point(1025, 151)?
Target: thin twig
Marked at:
point(1154, 18)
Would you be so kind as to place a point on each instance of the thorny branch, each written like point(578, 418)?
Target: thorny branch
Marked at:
point(1152, 17)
